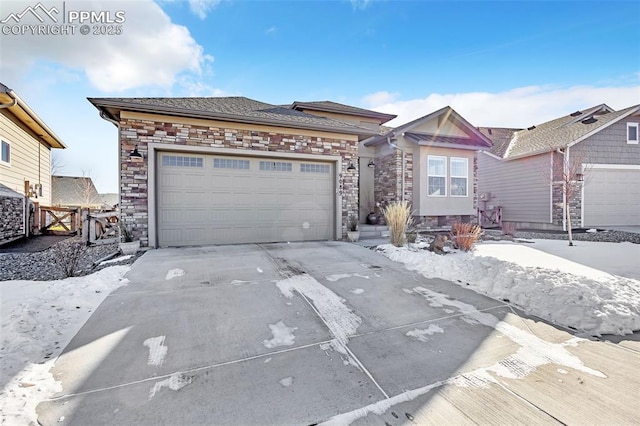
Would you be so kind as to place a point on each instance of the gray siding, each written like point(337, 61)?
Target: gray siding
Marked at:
point(521, 187)
point(609, 146)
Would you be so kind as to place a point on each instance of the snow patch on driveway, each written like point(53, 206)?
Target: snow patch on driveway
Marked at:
point(282, 335)
point(157, 350)
point(357, 291)
point(175, 382)
point(547, 286)
point(340, 320)
point(174, 273)
point(421, 334)
point(533, 351)
point(286, 382)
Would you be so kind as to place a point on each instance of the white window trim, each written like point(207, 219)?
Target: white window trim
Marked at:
point(630, 141)
point(6, 163)
point(444, 176)
point(466, 160)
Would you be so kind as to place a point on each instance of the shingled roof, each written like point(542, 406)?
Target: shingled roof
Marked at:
point(235, 109)
point(74, 191)
point(563, 131)
point(500, 136)
point(342, 108)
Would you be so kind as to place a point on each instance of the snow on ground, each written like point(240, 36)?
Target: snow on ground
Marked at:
point(39, 319)
point(568, 293)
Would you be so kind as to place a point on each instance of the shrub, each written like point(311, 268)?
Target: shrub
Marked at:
point(465, 235)
point(509, 228)
point(398, 217)
point(68, 255)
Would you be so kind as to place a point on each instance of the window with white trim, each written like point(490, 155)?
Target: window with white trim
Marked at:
point(459, 172)
point(632, 133)
point(436, 176)
point(315, 168)
point(6, 153)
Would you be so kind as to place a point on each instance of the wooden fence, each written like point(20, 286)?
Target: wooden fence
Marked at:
point(56, 220)
point(101, 227)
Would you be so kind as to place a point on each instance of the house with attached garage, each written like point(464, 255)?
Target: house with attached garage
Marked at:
point(25, 163)
point(197, 171)
point(520, 173)
point(431, 162)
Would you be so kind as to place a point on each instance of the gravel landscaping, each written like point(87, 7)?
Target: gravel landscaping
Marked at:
point(600, 236)
point(49, 264)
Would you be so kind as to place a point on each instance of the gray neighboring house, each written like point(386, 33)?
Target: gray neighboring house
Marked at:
point(516, 173)
point(74, 191)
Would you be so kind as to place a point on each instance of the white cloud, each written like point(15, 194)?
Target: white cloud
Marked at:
point(151, 51)
point(379, 98)
point(360, 4)
point(271, 30)
point(202, 7)
point(519, 107)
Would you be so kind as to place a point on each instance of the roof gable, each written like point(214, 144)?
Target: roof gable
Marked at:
point(470, 136)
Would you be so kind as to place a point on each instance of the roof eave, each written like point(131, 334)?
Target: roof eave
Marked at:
point(183, 112)
point(30, 119)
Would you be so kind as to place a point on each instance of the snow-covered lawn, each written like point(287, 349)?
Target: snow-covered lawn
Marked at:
point(39, 319)
point(583, 293)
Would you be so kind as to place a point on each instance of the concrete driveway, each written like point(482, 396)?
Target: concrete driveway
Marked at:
point(326, 332)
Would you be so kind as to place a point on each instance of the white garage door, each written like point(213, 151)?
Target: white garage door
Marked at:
point(612, 197)
point(210, 199)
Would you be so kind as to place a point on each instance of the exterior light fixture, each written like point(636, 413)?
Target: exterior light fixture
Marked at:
point(135, 155)
point(351, 167)
point(579, 177)
point(371, 165)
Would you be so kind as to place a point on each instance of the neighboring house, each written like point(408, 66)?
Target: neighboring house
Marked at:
point(109, 200)
point(75, 191)
point(25, 163)
point(429, 162)
point(196, 171)
point(516, 173)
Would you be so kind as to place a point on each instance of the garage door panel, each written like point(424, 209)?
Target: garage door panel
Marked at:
point(238, 202)
point(612, 197)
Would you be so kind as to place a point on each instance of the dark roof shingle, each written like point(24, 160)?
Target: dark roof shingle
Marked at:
point(235, 108)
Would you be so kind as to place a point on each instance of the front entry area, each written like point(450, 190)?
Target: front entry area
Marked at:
point(219, 199)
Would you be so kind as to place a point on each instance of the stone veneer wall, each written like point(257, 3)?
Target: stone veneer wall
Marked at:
point(388, 178)
point(11, 218)
point(575, 207)
point(134, 176)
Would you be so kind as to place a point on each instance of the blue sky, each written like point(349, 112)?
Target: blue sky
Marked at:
point(497, 63)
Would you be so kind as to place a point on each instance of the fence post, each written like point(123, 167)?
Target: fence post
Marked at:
point(85, 226)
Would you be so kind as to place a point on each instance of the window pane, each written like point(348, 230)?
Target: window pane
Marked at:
point(437, 166)
point(633, 133)
point(459, 186)
point(179, 161)
point(275, 166)
point(437, 185)
point(459, 167)
point(6, 152)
